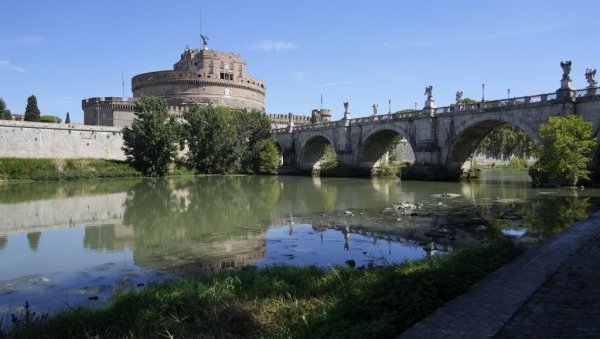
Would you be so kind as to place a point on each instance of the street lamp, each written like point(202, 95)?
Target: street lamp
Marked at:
point(508, 90)
point(482, 92)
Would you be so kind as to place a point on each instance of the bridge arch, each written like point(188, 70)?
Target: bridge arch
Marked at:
point(313, 152)
point(373, 151)
point(469, 135)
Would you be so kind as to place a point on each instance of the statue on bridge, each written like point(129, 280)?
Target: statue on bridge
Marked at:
point(590, 73)
point(566, 67)
point(375, 106)
point(459, 95)
point(429, 92)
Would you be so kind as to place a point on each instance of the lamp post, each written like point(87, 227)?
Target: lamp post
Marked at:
point(508, 90)
point(389, 106)
point(482, 92)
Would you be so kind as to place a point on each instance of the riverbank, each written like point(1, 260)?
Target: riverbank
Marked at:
point(13, 169)
point(63, 169)
point(548, 292)
point(281, 301)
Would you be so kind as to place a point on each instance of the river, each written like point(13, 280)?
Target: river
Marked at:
point(64, 244)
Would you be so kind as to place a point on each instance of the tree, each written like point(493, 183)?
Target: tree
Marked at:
point(4, 113)
point(268, 157)
point(213, 142)
point(67, 119)
point(150, 144)
point(32, 112)
point(504, 141)
point(253, 127)
point(565, 148)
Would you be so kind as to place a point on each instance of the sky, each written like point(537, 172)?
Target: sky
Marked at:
point(363, 52)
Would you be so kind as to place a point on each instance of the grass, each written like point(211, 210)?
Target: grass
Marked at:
point(282, 301)
point(70, 169)
point(63, 169)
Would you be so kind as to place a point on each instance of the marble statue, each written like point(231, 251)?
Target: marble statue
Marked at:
point(346, 104)
point(429, 92)
point(566, 67)
point(459, 95)
point(590, 73)
point(375, 106)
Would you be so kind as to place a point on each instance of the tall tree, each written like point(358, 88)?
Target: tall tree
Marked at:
point(150, 144)
point(67, 119)
point(213, 140)
point(4, 113)
point(254, 128)
point(32, 112)
point(565, 148)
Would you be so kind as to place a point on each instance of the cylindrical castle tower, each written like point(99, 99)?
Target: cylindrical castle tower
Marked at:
point(204, 76)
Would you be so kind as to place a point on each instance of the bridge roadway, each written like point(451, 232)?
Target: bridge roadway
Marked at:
point(442, 139)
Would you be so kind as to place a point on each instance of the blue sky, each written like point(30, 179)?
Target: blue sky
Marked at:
point(364, 52)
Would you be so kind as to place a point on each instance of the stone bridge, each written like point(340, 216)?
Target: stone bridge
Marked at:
point(442, 139)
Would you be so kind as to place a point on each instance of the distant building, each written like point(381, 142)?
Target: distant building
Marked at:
point(201, 76)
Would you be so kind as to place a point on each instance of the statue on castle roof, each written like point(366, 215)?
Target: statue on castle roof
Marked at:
point(590, 73)
point(429, 92)
point(566, 67)
point(204, 41)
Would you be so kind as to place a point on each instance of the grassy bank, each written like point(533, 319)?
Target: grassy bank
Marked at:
point(63, 169)
point(301, 302)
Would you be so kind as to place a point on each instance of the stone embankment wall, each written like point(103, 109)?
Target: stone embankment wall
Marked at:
point(22, 139)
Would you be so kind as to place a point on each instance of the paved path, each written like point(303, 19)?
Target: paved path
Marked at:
point(553, 290)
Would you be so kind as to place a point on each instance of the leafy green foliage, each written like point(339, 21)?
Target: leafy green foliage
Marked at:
point(268, 157)
point(214, 146)
point(503, 142)
point(150, 144)
point(32, 112)
point(4, 112)
point(564, 152)
point(253, 128)
point(328, 162)
point(291, 302)
point(50, 118)
point(63, 169)
point(224, 142)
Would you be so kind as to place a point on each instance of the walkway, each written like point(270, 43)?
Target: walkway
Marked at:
point(551, 291)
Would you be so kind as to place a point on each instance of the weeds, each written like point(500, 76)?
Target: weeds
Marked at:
point(282, 301)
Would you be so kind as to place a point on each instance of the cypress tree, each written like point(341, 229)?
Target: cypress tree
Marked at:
point(4, 113)
point(32, 112)
point(68, 119)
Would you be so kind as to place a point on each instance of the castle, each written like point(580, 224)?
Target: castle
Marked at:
point(201, 76)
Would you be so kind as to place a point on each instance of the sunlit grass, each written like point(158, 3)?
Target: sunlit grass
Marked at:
point(283, 301)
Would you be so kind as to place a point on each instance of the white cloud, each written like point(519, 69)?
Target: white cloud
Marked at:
point(24, 40)
point(274, 46)
point(506, 34)
point(6, 65)
point(336, 83)
point(298, 76)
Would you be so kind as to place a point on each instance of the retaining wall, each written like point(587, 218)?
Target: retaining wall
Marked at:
point(23, 139)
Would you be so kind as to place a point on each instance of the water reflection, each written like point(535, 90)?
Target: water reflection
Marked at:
point(109, 229)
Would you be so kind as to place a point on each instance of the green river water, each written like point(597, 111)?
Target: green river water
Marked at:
point(65, 243)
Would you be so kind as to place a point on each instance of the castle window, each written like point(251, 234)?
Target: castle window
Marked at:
point(226, 76)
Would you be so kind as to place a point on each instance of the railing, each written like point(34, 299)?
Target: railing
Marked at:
point(493, 104)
